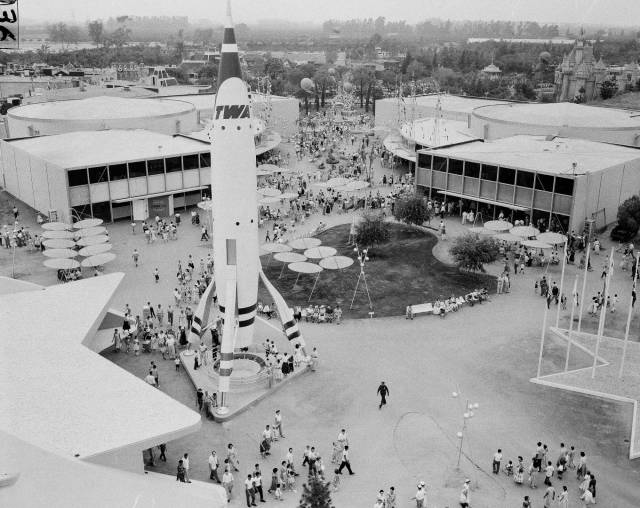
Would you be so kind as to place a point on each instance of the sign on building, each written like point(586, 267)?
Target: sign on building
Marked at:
point(9, 36)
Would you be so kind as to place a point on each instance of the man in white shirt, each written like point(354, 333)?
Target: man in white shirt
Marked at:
point(342, 439)
point(150, 379)
point(185, 464)
point(497, 458)
point(421, 496)
point(344, 462)
point(213, 467)
point(250, 491)
point(464, 495)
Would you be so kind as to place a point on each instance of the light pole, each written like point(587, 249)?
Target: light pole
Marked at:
point(362, 258)
point(468, 413)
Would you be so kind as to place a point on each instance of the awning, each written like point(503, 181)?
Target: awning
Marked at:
point(484, 200)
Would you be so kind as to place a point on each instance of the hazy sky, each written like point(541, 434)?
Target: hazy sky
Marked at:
point(612, 12)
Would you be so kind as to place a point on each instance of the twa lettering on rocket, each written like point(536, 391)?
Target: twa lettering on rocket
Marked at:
point(233, 111)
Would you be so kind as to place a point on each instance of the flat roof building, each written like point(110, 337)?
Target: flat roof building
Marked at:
point(110, 174)
point(551, 181)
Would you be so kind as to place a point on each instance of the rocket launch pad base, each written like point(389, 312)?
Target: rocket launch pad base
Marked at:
point(242, 398)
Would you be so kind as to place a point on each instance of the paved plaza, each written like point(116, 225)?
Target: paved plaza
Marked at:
point(487, 353)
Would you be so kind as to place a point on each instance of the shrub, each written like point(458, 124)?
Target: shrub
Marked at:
point(471, 252)
point(411, 210)
point(372, 229)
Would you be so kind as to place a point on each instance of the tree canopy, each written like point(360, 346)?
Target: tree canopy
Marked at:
point(316, 494)
point(411, 210)
point(373, 229)
point(471, 252)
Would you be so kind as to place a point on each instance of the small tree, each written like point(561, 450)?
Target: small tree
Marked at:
point(373, 229)
point(317, 494)
point(471, 252)
point(411, 210)
point(629, 215)
point(608, 88)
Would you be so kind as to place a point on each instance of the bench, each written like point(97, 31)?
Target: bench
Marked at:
point(422, 308)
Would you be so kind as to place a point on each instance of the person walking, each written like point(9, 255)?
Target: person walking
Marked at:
point(464, 494)
point(563, 498)
point(344, 461)
point(163, 451)
point(257, 485)
point(232, 457)
point(181, 472)
point(383, 391)
point(250, 491)
point(227, 482)
point(136, 257)
point(213, 466)
point(421, 496)
point(497, 458)
point(549, 496)
point(156, 275)
point(277, 424)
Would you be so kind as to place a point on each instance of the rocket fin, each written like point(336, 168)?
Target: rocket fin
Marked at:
point(286, 315)
point(228, 333)
point(201, 316)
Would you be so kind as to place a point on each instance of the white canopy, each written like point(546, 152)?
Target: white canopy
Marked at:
point(92, 240)
point(305, 243)
point(275, 247)
point(99, 259)
point(320, 252)
point(498, 225)
point(98, 248)
point(290, 257)
point(305, 267)
point(87, 223)
point(56, 226)
point(336, 262)
point(60, 253)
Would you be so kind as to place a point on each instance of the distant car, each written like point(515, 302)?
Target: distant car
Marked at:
point(620, 234)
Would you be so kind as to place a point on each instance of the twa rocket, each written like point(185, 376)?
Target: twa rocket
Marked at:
point(235, 211)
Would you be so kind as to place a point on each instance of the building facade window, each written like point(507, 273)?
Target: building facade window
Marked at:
point(173, 164)
point(137, 169)
point(190, 162)
point(456, 166)
point(472, 169)
point(98, 174)
point(524, 179)
point(155, 167)
point(544, 182)
point(439, 164)
point(77, 177)
point(507, 175)
point(424, 160)
point(564, 186)
point(205, 160)
point(118, 172)
point(489, 172)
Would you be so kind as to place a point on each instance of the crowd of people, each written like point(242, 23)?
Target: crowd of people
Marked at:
point(547, 468)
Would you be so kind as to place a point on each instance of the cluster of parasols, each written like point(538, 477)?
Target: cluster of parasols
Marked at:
point(298, 262)
point(65, 242)
point(528, 236)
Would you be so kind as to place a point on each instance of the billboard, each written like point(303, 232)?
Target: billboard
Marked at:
point(9, 36)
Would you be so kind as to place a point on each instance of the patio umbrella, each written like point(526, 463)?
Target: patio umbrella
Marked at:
point(61, 263)
point(92, 250)
point(284, 171)
point(355, 185)
point(98, 259)
point(289, 257)
point(275, 247)
point(337, 182)
point(59, 243)
point(269, 200)
point(498, 225)
point(306, 267)
point(92, 240)
point(552, 238)
point(524, 231)
point(305, 243)
point(56, 226)
point(271, 168)
point(95, 231)
point(261, 172)
point(205, 205)
point(68, 235)
point(320, 252)
point(536, 244)
point(288, 195)
point(60, 253)
point(336, 262)
point(508, 237)
point(480, 230)
point(87, 223)
point(268, 191)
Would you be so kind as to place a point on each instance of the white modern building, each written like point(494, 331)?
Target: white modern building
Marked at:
point(110, 174)
point(102, 113)
point(553, 182)
point(74, 425)
point(566, 119)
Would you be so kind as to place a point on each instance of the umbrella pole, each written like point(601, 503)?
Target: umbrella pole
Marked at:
point(297, 277)
point(355, 290)
point(281, 271)
point(269, 260)
point(314, 287)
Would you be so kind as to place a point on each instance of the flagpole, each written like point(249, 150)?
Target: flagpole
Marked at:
point(626, 332)
point(584, 288)
point(574, 298)
point(603, 314)
point(544, 328)
point(564, 264)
